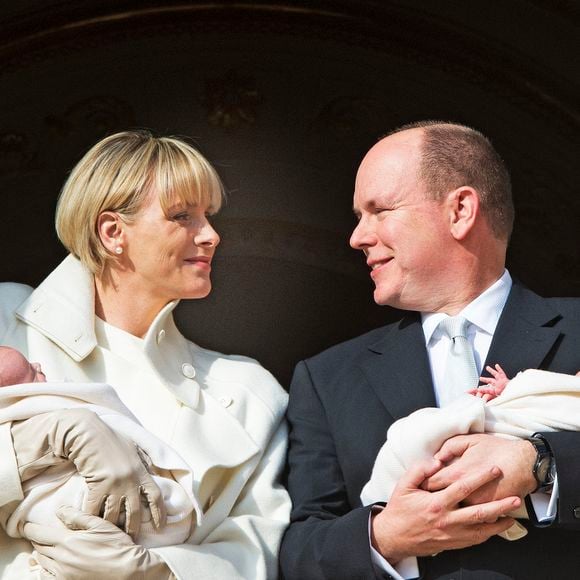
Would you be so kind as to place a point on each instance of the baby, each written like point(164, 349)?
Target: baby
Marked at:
point(15, 369)
point(495, 384)
point(25, 393)
point(533, 401)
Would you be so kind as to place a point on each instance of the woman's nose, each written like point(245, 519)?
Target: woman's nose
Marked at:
point(208, 236)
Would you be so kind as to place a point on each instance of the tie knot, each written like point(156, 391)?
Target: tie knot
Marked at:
point(454, 326)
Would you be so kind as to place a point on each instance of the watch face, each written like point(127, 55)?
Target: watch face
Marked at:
point(543, 469)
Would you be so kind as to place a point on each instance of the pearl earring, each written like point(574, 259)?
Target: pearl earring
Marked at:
point(118, 250)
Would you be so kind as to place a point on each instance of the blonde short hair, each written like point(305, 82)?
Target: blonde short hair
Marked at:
point(117, 174)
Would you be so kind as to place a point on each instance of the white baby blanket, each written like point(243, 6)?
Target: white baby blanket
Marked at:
point(534, 401)
point(53, 488)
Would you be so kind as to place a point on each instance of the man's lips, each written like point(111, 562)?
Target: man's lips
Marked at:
point(377, 265)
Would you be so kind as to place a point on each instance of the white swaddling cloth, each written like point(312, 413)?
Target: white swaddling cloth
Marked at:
point(534, 401)
point(44, 494)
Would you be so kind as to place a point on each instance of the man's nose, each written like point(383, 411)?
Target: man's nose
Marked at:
point(362, 236)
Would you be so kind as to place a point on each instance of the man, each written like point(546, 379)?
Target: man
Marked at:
point(435, 214)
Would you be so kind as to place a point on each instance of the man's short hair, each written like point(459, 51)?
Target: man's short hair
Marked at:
point(453, 155)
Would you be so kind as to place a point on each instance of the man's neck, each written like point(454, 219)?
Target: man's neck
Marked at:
point(466, 294)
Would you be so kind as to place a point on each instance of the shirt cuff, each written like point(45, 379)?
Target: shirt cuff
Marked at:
point(10, 487)
point(406, 569)
point(545, 505)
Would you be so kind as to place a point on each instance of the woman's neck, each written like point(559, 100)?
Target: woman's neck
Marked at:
point(123, 306)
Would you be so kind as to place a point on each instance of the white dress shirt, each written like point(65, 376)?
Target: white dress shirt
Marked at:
point(483, 314)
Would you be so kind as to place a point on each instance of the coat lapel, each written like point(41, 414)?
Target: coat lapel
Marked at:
point(525, 333)
point(397, 368)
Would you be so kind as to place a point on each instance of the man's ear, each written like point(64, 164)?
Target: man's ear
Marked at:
point(463, 204)
point(110, 229)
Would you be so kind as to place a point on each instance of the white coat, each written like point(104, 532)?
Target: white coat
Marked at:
point(222, 413)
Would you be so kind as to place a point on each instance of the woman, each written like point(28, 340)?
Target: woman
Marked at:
point(134, 216)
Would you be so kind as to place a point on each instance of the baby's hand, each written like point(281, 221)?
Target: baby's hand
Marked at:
point(494, 384)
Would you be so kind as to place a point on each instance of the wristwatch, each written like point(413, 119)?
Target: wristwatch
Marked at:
point(544, 469)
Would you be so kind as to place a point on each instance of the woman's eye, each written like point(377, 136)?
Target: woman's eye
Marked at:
point(180, 217)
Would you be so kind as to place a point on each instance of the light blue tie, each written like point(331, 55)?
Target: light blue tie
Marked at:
point(461, 370)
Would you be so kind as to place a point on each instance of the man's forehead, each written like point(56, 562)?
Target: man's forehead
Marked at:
point(385, 178)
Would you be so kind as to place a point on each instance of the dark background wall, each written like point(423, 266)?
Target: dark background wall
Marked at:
point(285, 98)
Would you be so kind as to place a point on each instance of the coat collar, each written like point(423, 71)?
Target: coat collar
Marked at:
point(62, 308)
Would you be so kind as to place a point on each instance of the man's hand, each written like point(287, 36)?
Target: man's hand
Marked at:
point(90, 547)
point(114, 472)
point(466, 454)
point(420, 523)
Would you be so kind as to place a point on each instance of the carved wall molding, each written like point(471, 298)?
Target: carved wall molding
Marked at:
point(16, 153)
point(73, 130)
point(409, 33)
point(95, 116)
point(231, 101)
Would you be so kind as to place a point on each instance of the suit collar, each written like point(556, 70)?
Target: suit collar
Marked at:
point(397, 368)
point(525, 332)
point(397, 365)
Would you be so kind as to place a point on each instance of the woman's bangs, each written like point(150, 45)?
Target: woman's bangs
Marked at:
point(184, 179)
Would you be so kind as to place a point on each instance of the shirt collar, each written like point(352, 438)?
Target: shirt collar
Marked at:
point(483, 312)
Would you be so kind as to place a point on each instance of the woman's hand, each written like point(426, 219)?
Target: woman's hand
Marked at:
point(112, 467)
point(90, 547)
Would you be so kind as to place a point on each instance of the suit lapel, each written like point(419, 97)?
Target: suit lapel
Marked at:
point(397, 368)
point(525, 334)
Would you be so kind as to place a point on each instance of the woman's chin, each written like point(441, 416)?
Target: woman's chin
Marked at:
point(196, 293)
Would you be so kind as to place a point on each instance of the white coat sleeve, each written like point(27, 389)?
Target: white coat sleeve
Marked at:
point(245, 545)
point(10, 487)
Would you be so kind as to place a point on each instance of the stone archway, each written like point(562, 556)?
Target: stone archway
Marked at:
point(285, 98)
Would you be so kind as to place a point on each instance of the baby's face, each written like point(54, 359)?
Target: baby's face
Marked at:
point(32, 373)
point(15, 369)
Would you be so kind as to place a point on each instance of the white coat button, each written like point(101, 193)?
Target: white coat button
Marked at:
point(188, 370)
point(160, 335)
point(226, 401)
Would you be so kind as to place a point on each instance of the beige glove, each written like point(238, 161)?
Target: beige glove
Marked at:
point(111, 465)
point(91, 548)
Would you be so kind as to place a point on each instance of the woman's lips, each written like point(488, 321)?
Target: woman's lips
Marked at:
point(202, 262)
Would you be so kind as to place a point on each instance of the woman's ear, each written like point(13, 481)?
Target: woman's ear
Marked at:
point(110, 229)
point(463, 211)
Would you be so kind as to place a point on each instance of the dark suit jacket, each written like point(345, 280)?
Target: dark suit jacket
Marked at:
point(341, 405)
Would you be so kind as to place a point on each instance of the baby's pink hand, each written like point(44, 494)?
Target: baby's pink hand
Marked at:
point(495, 384)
